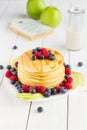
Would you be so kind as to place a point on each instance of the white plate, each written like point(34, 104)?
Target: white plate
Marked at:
point(14, 91)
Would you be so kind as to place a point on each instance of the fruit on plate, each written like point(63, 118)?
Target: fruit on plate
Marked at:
point(51, 16)
point(29, 96)
point(78, 79)
point(12, 60)
point(35, 7)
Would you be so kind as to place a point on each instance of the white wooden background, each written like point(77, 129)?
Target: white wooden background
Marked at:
point(66, 113)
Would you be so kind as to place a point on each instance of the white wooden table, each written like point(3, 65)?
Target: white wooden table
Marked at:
point(65, 113)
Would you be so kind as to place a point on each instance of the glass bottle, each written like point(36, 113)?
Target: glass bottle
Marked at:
point(75, 29)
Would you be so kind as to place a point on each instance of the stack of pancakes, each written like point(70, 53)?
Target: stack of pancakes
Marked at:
point(48, 73)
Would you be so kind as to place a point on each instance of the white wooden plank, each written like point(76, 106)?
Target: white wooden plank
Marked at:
point(13, 111)
point(53, 116)
point(8, 39)
point(77, 102)
point(3, 7)
point(78, 111)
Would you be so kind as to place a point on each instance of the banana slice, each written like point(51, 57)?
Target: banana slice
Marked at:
point(29, 96)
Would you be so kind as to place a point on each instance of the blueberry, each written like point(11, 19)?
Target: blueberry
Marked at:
point(33, 57)
point(42, 57)
point(32, 91)
point(14, 73)
point(8, 67)
point(40, 109)
point(66, 76)
point(12, 81)
point(38, 48)
point(53, 91)
point(68, 66)
point(80, 64)
point(47, 94)
point(63, 90)
point(18, 87)
point(20, 91)
point(14, 47)
point(13, 69)
point(17, 84)
point(51, 57)
point(49, 51)
point(1, 67)
point(48, 90)
point(33, 51)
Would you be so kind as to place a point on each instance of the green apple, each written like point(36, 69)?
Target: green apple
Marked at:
point(35, 7)
point(51, 16)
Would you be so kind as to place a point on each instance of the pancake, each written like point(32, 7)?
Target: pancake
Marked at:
point(48, 73)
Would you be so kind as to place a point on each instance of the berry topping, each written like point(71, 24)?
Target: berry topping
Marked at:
point(40, 109)
point(69, 80)
point(66, 76)
point(1, 67)
point(68, 86)
point(58, 88)
point(25, 88)
point(17, 84)
point(8, 67)
point(8, 74)
point(67, 71)
point(47, 94)
point(53, 91)
point(14, 73)
point(33, 51)
point(14, 47)
point(63, 90)
point(80, 64)
point(42, 57)
point(38, 48)
point(51, 57)
point(13, 69)
point(12, 81)
point(33, 57)
point(37, 54)
point(33, 91)
point(48, 90)
point(20, 91)
point(67, 66)
point(13, 78)
point(16, 64)
point(31, 88)
point(41, 89)
point(49, 51)
point(44, 50)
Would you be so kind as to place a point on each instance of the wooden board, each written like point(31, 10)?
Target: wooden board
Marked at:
point(29, 28)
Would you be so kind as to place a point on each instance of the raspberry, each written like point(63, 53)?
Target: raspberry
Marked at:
point(46, 54)
point(63, 83)
point(69, 80)
point(37, 54)
point(16, 64)
point(8, 74)
point(13, 78)
point(41, 89)
point(67, 71)
point(68, 86)
point(43, 50)
point(58, 88)
point(25, 88)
